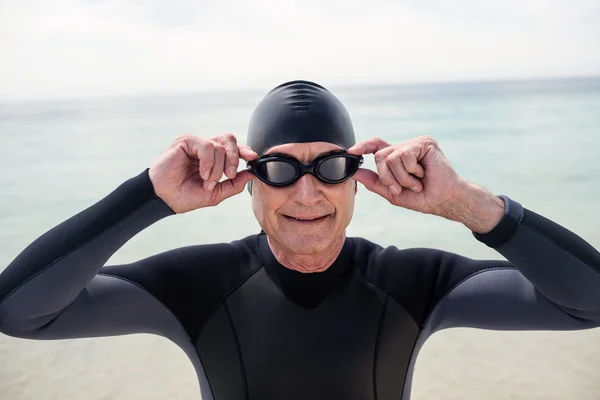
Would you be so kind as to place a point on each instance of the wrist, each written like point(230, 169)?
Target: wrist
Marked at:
point(475, 207)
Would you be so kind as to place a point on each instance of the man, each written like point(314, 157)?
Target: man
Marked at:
point(299, 311)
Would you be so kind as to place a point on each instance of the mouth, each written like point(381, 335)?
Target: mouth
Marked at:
point(306, 220)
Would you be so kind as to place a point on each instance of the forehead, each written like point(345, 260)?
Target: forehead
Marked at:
point(304, 151)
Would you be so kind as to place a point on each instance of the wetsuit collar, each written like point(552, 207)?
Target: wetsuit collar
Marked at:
point(305, 289)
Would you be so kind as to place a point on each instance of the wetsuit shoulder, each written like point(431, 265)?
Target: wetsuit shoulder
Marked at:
point(192, 281)
point(417, 278)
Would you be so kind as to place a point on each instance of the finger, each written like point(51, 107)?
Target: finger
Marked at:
point(395, 164)
point(216, 171)
point(246, 153)
point(232, 158)
point(369, 146)
point(370, 180)
point(386, 176)
point(409, 159)
point(206, 157)
point(231, 187)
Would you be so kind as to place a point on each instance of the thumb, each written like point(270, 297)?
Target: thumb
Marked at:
point(371, 181)
point(231, 187)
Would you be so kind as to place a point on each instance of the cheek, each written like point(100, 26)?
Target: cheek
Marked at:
point(266, 201)
point(343, 199)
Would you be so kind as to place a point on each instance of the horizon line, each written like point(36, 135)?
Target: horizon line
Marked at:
point(339, 86)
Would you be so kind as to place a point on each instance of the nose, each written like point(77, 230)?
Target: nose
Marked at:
point(307, 190)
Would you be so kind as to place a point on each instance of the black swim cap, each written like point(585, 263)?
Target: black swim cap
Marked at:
point(299, 112)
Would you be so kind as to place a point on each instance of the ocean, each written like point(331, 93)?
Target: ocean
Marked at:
point(535, 141)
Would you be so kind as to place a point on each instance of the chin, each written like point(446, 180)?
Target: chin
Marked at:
point(306, 243)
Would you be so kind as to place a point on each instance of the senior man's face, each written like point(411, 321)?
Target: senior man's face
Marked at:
point(277, 209)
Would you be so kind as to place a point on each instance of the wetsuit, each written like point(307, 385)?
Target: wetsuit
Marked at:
point(254, 329)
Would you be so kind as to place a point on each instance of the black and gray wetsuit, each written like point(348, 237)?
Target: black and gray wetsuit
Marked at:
point(256, 330)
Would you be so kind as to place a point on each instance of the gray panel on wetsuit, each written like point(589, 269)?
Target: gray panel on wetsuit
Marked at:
point(501, 300)
point(495, 299)
point(58, 282)
point(563, 267)
point(292, 352)
point(110, 306)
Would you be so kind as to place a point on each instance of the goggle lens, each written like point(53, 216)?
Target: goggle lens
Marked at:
point(275, 171)
point(337, 168)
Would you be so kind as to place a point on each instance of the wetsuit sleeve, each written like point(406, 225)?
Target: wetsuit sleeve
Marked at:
point(53, 290)
point(550, 280)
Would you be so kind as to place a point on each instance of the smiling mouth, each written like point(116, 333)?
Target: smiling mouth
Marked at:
point(306, 220)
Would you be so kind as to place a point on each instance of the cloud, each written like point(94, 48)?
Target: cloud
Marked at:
point(77, 48)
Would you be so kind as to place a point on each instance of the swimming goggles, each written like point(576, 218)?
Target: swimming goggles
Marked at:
point(282, 170)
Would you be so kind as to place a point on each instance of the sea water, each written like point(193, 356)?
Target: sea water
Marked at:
point(535, 141)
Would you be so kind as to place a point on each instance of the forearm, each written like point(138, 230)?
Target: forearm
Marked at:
point(54, 269)
point(560, 264)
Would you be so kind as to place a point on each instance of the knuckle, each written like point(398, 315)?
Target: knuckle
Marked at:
point(394, 159)
point(219, 149)
point(379, 157)
point(406, 157)
point(429, 139)
point(403, 152)
point(181, 140)
point(207, 145)
point(231, 137)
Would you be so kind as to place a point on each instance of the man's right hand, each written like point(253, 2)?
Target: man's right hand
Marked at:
point(186, 175)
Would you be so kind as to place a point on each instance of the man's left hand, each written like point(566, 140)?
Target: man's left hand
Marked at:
point(414, 174)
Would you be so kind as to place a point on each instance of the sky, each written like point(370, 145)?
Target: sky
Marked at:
point(97, 48)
